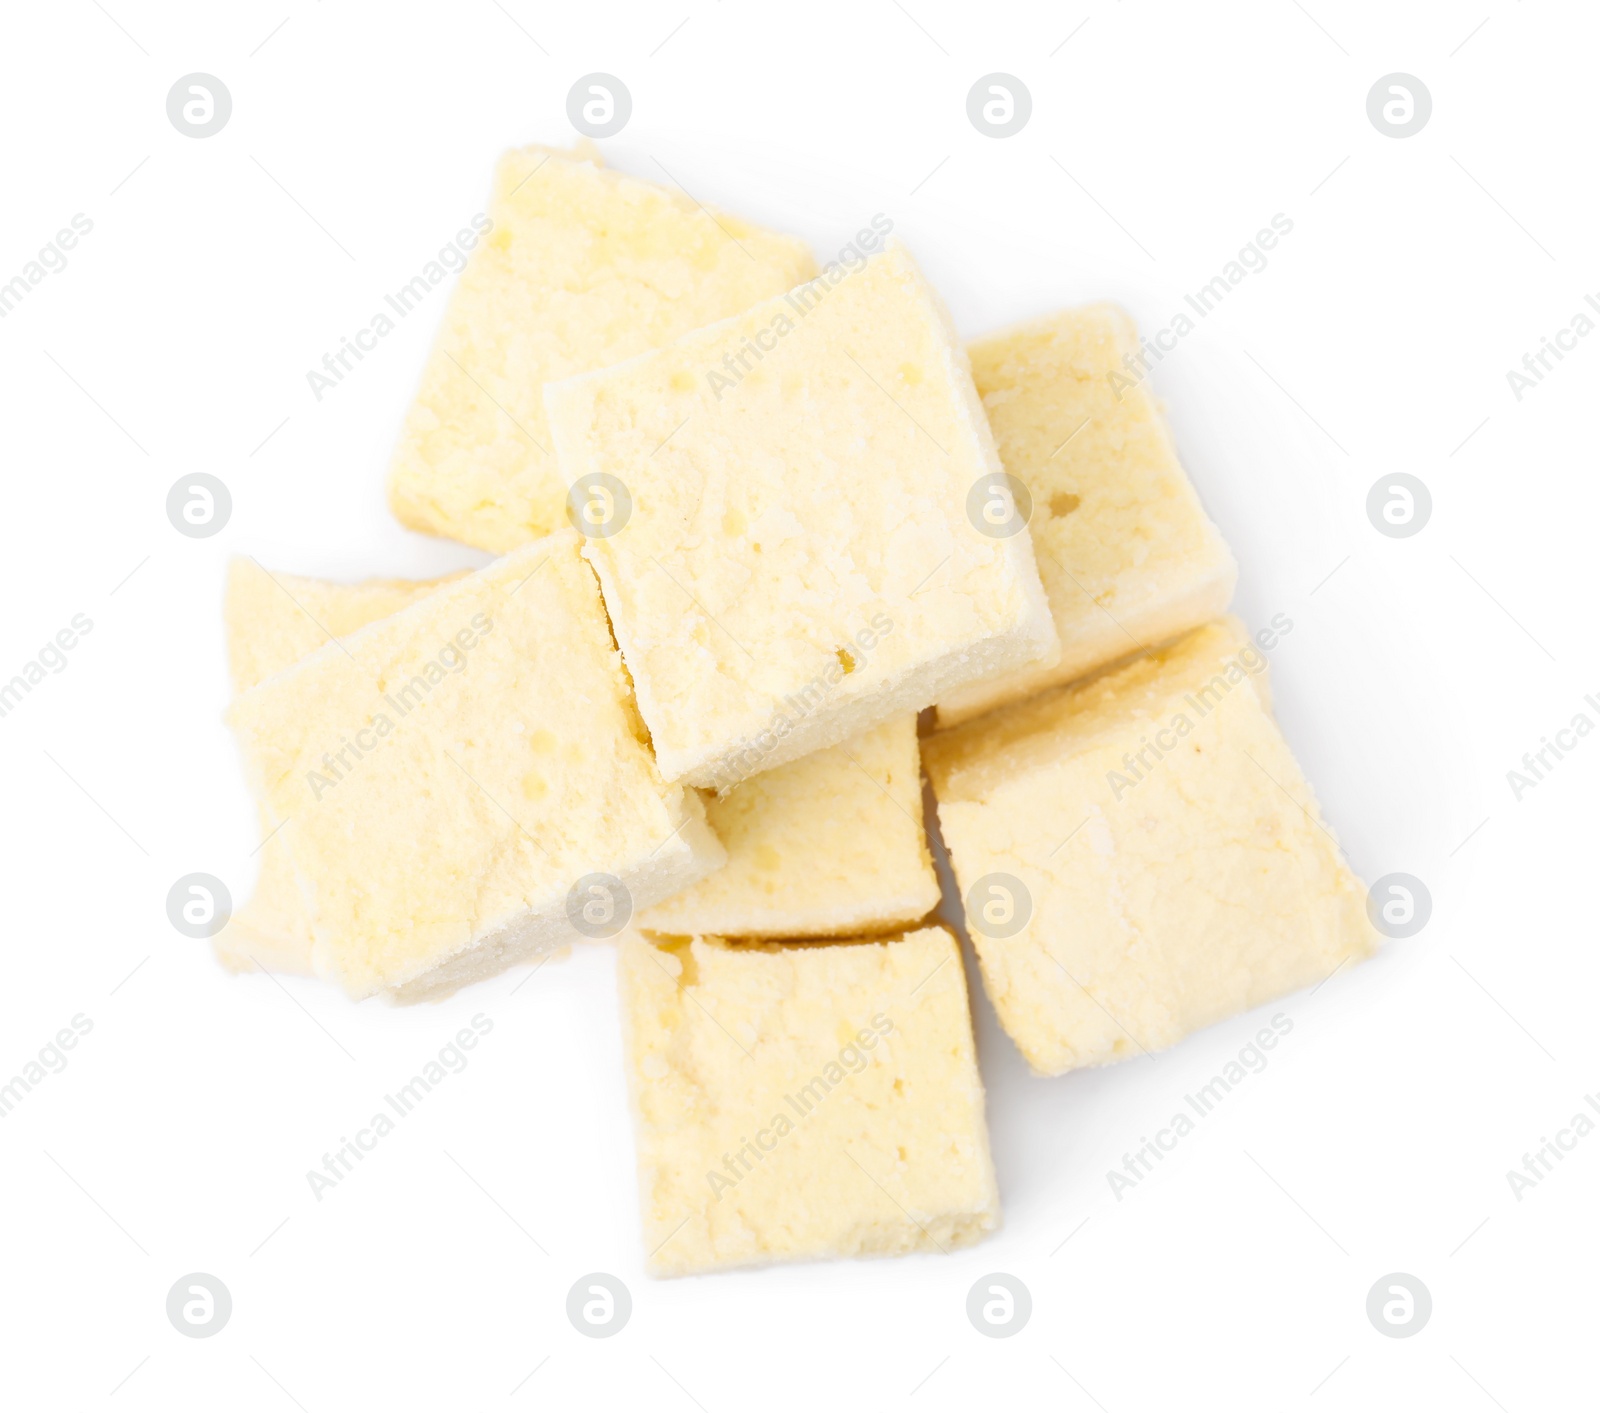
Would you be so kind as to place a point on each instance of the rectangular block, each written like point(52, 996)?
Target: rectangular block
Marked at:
point(272, 621)
point(805, 1101)
point(451, 776)
point(831, 845)
point(1140, 855)
point(1126, 552)
point(581, 268)
point(783, 526)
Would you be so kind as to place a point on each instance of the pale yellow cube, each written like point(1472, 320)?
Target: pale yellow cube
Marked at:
point(804, 1101)
point(451, 778)
point(831, 845)
point(273, 620)
point(1140, 855)
point(1126, 552)
point(581, 268)
point(787, 544)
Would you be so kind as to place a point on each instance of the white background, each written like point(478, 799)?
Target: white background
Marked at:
point(1163, 136)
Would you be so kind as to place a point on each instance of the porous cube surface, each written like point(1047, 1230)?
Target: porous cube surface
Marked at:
point(447, 776)
point(802, 1101)
point(273, 620)
point(582, 267)
point(1126, 552)
point(796, 561)
point(830, 845)
point(1174, 869)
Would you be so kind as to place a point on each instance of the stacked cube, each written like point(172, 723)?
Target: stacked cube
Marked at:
point(751, 524)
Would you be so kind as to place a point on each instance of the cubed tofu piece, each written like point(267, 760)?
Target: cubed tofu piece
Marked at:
point(1126, 552)
point(1140, 856)
point(812, 1100)
point(453, 779)
point(831, 845)
point(786, 541)
point(581, 268)
point(272, 621)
